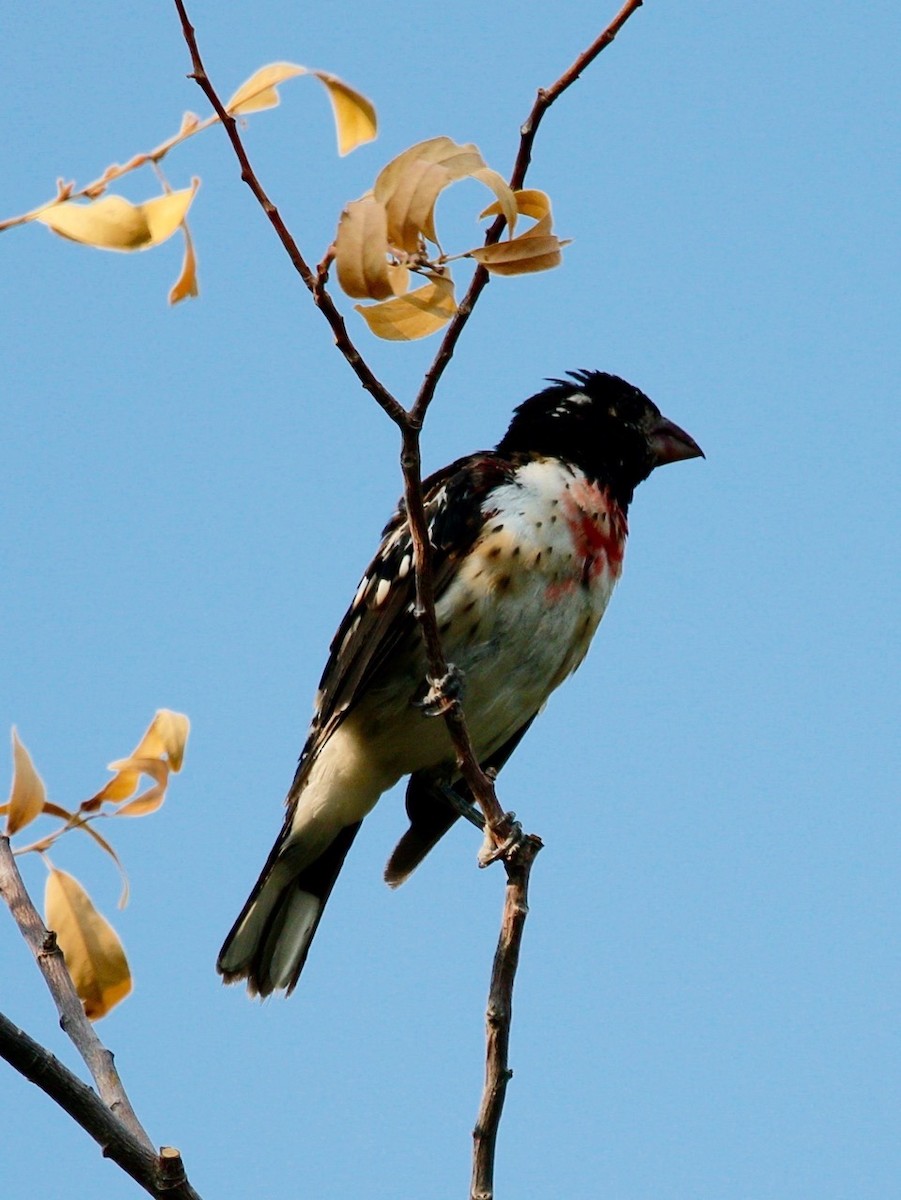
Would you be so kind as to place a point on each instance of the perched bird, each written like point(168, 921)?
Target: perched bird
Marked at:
point(528, 545)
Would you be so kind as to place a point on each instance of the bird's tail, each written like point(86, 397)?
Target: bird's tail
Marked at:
point(269, 942)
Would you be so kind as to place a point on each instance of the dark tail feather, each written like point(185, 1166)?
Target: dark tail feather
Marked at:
point(269, 942)
point(431, 816)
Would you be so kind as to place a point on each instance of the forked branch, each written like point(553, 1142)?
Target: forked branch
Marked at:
point(517, 854)
point(109, 1118)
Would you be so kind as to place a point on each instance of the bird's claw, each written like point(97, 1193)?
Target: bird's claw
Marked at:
point(491, 851)
point(443, 693)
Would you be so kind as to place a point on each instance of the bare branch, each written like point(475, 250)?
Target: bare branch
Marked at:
point(499, 1016)
point(547, 96)
point(544, 99)
point(161, 1176)
point(72, 1019)
point(313, 281)
point(517, 852)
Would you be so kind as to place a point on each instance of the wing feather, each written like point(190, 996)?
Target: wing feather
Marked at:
point(381, 616)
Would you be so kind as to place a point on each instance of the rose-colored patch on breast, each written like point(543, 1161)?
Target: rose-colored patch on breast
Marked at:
point(598, 528)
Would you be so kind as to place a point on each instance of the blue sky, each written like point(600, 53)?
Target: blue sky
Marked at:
point(707, 1007)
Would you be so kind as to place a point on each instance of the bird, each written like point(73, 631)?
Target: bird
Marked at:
point(527, 547)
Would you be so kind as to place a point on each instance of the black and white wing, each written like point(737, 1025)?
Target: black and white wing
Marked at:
point(381, 618)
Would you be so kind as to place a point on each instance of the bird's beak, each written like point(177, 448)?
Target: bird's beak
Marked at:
point(670, 444)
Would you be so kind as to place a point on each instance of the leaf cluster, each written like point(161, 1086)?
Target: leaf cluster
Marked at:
point(90, 945)
point(383, 239)
point(386, 235)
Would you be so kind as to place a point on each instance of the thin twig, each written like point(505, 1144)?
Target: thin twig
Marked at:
point(409, 423)
point(543, 101)
point(312, 281)
point(499, 1016)
point(518, 853)
point(161, 1176)
point(72, 1019)
point(68, 191)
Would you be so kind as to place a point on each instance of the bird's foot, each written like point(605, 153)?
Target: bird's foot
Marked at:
point(442, 693)
point(511, 831)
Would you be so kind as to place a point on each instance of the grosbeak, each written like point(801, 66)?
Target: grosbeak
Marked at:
point(528, 543)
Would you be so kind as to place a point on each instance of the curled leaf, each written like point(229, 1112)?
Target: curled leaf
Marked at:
point(92, 950)
point(411, 183)
point(186, 285)
point(521, 255)
point(360, 248)
point(167, 734)
point(27, 795)
point(530, 202)
point(537, 249)
point(415, 315)
point(506, 201)
point(260, 90)
point(152, 799)
point(114, 223)
point(355, 119)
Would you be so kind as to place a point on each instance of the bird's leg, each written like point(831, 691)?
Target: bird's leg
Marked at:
point(509, 829)
point(463, 807)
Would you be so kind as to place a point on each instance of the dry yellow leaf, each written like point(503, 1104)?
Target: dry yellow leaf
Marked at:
point(166, 734)
point(506, 200)
point(415, 315)
point(27, 795)
point(152, 799)
point(113, 223)
point(355, 119)
point(92, 950)
point(399, 277)
point(521, 255)
point(259, 91)
point(186, 285)
point(530, 202)
point(411, 183)
point(360, 248)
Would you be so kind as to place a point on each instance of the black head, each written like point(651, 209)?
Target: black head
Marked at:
point(602, 424)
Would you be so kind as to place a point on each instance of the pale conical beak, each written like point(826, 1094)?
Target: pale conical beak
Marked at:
point(671, 444)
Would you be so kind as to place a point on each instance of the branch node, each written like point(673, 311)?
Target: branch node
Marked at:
point(170, 1169)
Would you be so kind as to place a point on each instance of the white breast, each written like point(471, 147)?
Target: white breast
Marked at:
point(522, 612)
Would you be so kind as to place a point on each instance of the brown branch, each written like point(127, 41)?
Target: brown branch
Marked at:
point(409, 423)
point(162, 1176)
point(72, 1019)
point(108, 1117)
point(518, 853)
point(497, 824)
point(547, 96)
point(543, 101)
point(499, 1016)
point(314, 283)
